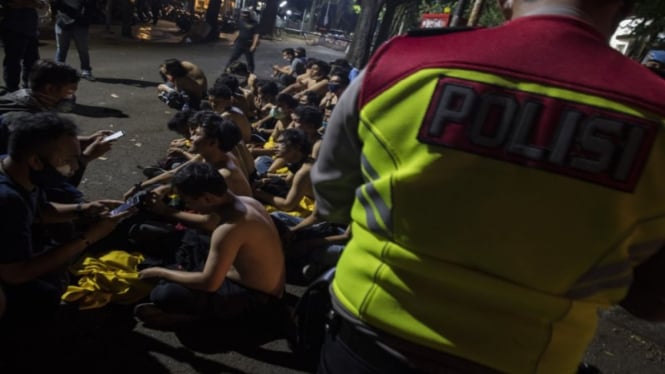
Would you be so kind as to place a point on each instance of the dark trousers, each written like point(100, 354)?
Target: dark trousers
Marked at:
point(21, 52)
point(29, 304)
point(231, 300)
point(238, 51)
point(353, 349)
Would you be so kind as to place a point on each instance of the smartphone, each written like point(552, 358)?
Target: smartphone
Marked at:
point(129, 203)
point(114, 136)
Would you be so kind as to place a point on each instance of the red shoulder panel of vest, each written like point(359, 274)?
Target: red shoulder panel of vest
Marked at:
point(559, 51)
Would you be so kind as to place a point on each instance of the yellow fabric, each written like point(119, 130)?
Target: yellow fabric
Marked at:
point(304, 209)
point(487, 288)
point(112, 277)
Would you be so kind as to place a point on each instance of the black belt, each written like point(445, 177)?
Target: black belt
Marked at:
point(393, 355)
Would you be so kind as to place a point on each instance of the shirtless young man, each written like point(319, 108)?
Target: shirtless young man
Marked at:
point(244, 271)
point(212, 141)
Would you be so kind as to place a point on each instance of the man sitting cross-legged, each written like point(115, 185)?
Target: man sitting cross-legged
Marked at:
point(244, 271)
point(212, 141)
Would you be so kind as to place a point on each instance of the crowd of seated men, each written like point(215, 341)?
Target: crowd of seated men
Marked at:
point(225, 219)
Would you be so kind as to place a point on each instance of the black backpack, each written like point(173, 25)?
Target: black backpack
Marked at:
point(311, 316)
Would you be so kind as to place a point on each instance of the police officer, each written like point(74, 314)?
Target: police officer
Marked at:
point(495, 201)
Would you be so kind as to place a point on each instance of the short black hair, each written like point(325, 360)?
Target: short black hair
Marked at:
point(313, 98)
point(180, 121)
point(289, 51)
point(309, 115)
point(45, 72)
point(269, 88)
point(224, 131)
point(287, 100)
point(174, 67)
point(33, 133)
point(300, 52)
point(296, 138)
point(228, 80)
point(220, 90)
point(198, 178)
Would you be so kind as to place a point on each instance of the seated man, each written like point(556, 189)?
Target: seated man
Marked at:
point(294, 148)
point(221, 99)
point(212, 141)
point(52, 88)
point(183, 76)
point(287, 74)
point(315, 81)
point(42, 149)
point(244, 271)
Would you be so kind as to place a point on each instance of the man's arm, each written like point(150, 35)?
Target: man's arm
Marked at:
point(646, 296)
point(292, 199)
point(25, 270)
point(255, 42)
point(336, 173)
point(224, 246)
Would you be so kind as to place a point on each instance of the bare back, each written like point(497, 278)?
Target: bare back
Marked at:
point(234, 176)
point(250, 234)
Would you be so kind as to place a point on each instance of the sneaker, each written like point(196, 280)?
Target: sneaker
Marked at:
point(154, 317)
point(87, 75)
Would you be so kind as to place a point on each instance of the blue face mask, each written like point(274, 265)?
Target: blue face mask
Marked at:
point(332, 87)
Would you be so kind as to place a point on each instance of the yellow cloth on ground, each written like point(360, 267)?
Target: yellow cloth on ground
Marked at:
point(112, 277)
point(304, 209)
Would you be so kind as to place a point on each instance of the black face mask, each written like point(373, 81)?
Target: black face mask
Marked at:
point(47, 177)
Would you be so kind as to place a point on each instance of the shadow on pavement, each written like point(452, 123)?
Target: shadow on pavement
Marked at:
point(97, 341)
point(128, 82)
point(98, 111)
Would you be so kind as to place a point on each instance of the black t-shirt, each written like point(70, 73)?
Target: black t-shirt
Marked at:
point(246, 32)
point(19, 208)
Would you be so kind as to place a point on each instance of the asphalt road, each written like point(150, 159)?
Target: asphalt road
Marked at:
point(108, 340)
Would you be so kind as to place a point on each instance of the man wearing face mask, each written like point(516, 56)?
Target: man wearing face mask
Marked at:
point(547, 180)
point(52, 89)
point(42, 149)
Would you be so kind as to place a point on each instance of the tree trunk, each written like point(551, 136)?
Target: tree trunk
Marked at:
point(386, 21)
point(475, 12)
point(361, 46)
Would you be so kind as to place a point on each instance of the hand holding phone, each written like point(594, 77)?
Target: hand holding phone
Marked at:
point(116, 135)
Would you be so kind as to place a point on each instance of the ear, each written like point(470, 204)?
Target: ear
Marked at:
point(35, 162)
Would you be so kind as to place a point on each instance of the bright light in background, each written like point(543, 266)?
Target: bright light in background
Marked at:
point(282, 4)
point(289, 12)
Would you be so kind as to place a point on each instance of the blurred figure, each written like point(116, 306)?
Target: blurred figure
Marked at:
point(655, 61)
point(72, 21)
point(19, 27)
point(245, 39)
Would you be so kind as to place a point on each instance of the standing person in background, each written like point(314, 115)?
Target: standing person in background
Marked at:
point(72, 21)
point(19, 27)
point(245, 39)
point(511, 153)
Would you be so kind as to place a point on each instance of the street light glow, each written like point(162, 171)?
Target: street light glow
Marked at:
point(282, 4)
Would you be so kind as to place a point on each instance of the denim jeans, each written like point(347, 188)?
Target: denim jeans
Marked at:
point(80, 35)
